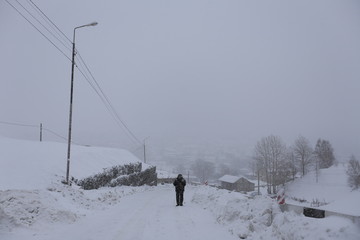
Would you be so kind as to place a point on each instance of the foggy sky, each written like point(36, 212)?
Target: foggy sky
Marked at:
point(217, 70)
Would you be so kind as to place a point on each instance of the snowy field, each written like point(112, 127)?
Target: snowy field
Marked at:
point(35, 205)
point(331, 189)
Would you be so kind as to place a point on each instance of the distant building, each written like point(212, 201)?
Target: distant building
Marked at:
point(239, 184)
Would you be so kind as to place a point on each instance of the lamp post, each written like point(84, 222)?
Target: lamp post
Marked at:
point(71, 100)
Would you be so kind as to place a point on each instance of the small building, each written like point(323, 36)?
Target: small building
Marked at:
point(239, 184)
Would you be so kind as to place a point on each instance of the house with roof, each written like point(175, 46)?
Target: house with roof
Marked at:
point(234, 183)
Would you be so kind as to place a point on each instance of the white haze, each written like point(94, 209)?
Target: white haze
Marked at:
point(229, 72)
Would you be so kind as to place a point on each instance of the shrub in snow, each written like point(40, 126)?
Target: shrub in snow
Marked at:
point(128, 175)
point(353, 173)
point(317, 203)
point(301, 200)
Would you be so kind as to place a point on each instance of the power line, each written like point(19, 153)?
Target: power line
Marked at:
point(51, 21)
point(83, 69)
point(52, 34)
point(98, 89)
point(109, 103)
point(56, 134)
point(63, 40)
point(35, 126)
point(111, 110)
point(37, 29)
point(18, 124)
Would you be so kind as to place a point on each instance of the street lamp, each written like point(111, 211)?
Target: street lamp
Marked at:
point(71, 99)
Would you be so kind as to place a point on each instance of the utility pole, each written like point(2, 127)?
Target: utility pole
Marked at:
point(144, 152)
point(317, 169)
point(145, 149)
point(258, 173)
point(41, 128)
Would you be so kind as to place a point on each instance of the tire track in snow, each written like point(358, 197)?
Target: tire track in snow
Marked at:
point(157, 218)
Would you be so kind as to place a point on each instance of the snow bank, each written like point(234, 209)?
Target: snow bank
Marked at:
point(30, 190)
point(261, 218)
point(234, 210)
point(59, 204)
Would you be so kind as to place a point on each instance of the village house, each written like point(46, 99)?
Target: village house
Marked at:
point(239, 184)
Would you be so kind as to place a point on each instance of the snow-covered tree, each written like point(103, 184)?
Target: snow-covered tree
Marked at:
point(324, 154)
point(353, 172)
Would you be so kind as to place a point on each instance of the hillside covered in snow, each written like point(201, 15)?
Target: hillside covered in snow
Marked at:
point(331, 191)
point(35, 165)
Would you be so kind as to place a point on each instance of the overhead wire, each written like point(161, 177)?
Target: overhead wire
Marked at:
point(18, 124)
point(104, 102)
point(51, 22)
point(46, 21)
point(52, 34)
point(33, 25)
point(82, 67)
point(36, 126)
point(56, 134)
point(99, 92)
point(107, 102)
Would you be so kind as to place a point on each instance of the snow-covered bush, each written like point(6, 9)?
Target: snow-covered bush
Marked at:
point(104, 178)
point(126, 175)
point(147, 177)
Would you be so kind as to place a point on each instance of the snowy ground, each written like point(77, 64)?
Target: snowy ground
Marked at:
point(149, 214)
point(331, 189)
point(126, 213)
point(35, 205)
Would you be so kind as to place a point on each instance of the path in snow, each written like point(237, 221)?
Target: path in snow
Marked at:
point(149, 215)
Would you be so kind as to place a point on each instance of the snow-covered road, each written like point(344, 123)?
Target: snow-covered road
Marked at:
point(150, 215)
point(156, 217)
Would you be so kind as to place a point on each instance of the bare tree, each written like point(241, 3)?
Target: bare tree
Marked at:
point(204, 170)
point(292, 163)
point(270, 155)
point(180, 169)
point(223, 169)
point(253, 168)
point(353, 172)
point(303, 153)
point(285, 170)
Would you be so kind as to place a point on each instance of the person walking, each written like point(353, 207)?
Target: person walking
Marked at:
point(179, 184)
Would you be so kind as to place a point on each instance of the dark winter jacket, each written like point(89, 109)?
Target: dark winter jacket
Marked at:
point(179, 184)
